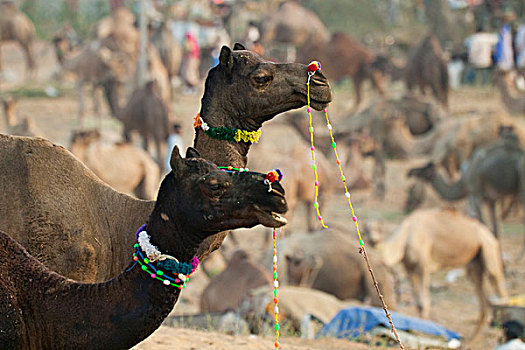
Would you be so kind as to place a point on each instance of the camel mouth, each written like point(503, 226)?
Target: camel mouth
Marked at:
point(319, 105)
point(269, 218)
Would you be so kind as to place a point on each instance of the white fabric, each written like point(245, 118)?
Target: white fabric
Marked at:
point(480, 49)
point(514, 344)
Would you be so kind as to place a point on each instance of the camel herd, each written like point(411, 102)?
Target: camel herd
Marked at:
point(64, 217)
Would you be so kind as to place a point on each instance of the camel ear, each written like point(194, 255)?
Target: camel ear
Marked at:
point(226, 59)
point(192, 153)
point(176, 163)
point(238, 46)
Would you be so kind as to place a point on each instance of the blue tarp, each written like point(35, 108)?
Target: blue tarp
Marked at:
point(351, 322)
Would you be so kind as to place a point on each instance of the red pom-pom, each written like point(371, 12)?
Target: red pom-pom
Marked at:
point(314, 66)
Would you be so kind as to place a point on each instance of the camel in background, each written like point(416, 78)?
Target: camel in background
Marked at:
point(426, 66)
point(122, 166)
point(16, 26)
point(24, 127)
point(430, 240)
point(494, 171)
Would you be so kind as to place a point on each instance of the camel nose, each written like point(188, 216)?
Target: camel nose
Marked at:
point(319, 79)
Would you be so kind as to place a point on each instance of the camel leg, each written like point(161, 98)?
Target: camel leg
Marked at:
point(160, 154)
point(379, 173)
point(475, 274)
point(420, 281)
point(1, 57)
point(358, 81)
point(30, 62)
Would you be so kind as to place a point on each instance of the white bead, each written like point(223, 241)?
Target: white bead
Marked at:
point(276, 309)
point(166, 282)
point(276, 284)
point(329, 126)
point(275, 259)
point(347, 194)
point(182, 277)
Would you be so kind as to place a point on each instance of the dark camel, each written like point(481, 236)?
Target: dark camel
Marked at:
point(343, 57)
point(494, 172)
point(427, 67)
point(15, 25)
point(40, 309)
point(53, 199)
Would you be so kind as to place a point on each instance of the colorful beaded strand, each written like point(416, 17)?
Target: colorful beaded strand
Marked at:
point(275, 290)
point(312, 149)
point(312, 68)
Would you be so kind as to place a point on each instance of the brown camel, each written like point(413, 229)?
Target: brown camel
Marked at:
point(169, 50)
point(427, 67)
point(147, 113)
point(293, 24)
point(120, 26)
point(51, 200)
point(195, 201)
point(429, 240)
point(494, 171)
point(344, 57)
point(24, 127)
point(122, 166)
point(15, 25)
point(227, 289)
point(96, 64)
point(319, 260)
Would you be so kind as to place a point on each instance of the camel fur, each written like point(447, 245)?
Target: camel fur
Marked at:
point(66, 207)
point(195, 200)
point(430, 240)
point(227, 289)
point(16, 26)
point(122, 166)
point(24, 127)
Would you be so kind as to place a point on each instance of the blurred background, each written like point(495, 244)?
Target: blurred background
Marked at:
point(428, 107)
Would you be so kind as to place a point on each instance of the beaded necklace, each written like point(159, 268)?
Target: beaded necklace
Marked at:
point(227, 134)
point(313, 67)
point(174, 273)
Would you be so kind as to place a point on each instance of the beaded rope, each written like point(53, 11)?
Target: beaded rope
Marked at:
point(230, 168)
point(275, 290)
point(181, 271)
point(313, 67)
point(227, 134)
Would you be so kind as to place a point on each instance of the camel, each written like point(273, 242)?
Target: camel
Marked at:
point(493, 172)
point(427, 67)
point(147, 113)
point(227, 289)
point(429, 240)
point(169, 50)
point(344, 57)
point(99, 66)
point(196, 199)
point(51, 200)
point(24, 127)
point(120, 26)
point(317, 259)
point(15, 25)
point(122, 166)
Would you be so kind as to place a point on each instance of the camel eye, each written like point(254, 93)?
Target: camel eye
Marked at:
point(263, 79)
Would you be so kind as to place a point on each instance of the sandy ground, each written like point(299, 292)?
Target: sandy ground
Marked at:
point(453, 303)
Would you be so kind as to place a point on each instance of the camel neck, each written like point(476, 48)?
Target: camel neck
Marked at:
point(449, 191)
point(221, 152)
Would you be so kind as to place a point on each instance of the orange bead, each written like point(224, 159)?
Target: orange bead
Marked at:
point(275, 300)
point(275, 268)
point(274, 251)
point(338, 161)
point(276, 345)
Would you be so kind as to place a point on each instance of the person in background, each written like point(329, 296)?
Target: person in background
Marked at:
point(479, 47)
point(519, 44)
point(190, 63)
point(174, 139)
point(513, 331)
point(504, 53)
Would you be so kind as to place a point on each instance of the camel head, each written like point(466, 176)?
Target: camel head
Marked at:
point(10, 103)
point(205, 200)
point(428, 172)
point(84, 137)
point(244, 90)
point(301, 269)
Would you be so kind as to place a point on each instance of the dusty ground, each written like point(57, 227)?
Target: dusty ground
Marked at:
point(453, 304)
